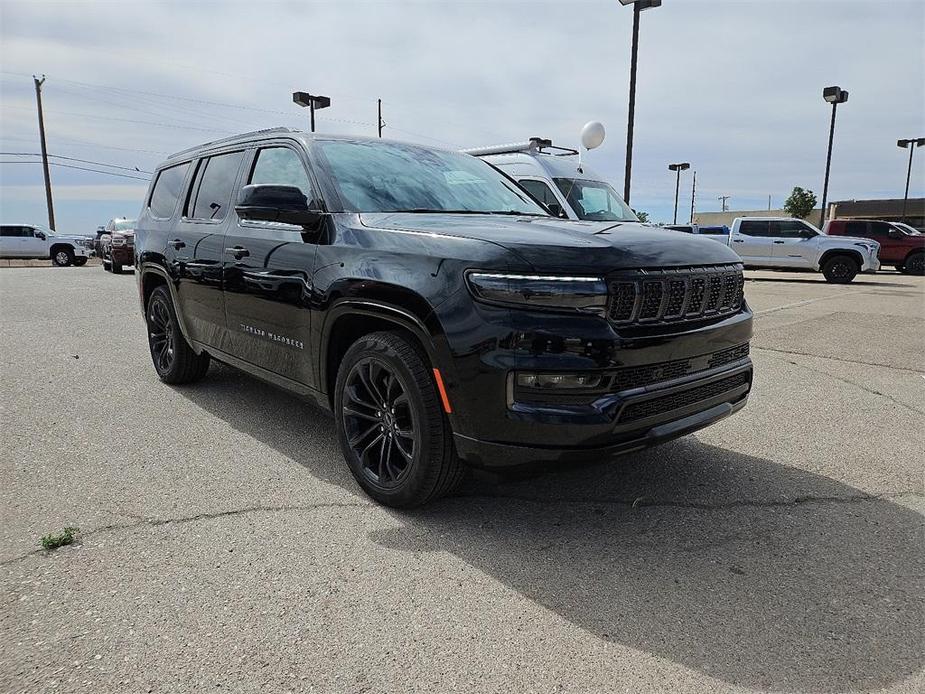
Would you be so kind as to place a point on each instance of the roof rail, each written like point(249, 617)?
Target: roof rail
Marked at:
point(232, 138)
point(533, 145)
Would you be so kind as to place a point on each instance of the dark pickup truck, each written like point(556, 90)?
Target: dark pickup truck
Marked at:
point(435, 307)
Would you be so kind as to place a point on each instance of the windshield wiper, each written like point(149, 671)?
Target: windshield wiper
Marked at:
point(428, 210)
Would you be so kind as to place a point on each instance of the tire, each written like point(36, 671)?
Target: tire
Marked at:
point(840, 269)
point(62, 256)
point(114, 267)
point(106, 263)
point(385, 384)
point(80, 262)
point(915, 264)
point(173, 358)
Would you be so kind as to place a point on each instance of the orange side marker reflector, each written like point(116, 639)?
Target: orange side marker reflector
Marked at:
point(443, 397)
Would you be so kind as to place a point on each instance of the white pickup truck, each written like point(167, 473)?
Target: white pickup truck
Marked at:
point(31, 241)
point(784, 243)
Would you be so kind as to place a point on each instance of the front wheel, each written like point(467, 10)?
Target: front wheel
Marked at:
point(915, 264)
point(62, 257)
point(174, 360)
point(390, 424)
point(114, 267)
point(840, 269)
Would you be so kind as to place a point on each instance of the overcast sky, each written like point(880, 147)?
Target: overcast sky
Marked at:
point(732, 86)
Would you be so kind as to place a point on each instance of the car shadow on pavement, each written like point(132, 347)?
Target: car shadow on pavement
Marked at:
point(752, 572)
point(821, 281)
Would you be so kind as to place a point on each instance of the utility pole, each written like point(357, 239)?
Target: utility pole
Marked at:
point(911, 144)
point(769, 203)
point(693, 193)
point(48, 200)
point(724, 198)
point(381, 124)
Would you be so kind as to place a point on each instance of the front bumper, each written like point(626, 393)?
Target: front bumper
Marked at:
point(122, 255)
point(871, 265)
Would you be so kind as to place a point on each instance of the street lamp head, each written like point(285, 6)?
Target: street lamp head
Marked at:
point(835, 95)
point(642, 4)
point(305, 99)
point(679, 167)
point(904, 143)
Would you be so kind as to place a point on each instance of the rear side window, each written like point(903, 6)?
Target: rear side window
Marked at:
point(215, 181)
point(281, 166)
point(754, 228)
point(540, 191)
point(11, 232)
point(167, 191)
point(856, 229)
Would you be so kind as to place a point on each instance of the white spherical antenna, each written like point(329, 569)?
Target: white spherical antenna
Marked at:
point(592, 135)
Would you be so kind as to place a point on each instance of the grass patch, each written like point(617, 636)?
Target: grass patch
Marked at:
point(55, 540)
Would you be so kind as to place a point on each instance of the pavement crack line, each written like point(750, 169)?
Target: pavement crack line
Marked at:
point(154, 522)
point(841, 359)
point(641, 502)
point(846, 380)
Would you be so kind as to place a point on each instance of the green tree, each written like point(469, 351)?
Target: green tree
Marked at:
point(801, 203)
point(643, 216)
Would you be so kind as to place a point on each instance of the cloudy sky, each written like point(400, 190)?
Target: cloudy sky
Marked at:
point(733, 86)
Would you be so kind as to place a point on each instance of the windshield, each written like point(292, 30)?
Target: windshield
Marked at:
point(595, 200)
point(124, 225)
point(392, 177)
point(906, 229)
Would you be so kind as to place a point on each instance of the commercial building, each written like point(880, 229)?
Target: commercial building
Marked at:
point(890, 210)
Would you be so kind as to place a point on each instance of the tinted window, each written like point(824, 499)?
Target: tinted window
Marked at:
point(878, 230)
point(787, 230)
point(11, 232)
point(393, 177)
point(595, 200)
point(856, 229)
point(281, 166)
point(540, 191)
point(754, 228)
point(215, 182)
point(167, 191)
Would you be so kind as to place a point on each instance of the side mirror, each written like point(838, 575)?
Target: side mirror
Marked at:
point(41, 235)
point(276, 203)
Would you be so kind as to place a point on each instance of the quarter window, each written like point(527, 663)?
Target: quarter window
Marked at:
point(215, 182)
point(167, 191)
point(281, 166)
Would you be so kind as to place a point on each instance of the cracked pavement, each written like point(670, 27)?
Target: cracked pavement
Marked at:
point(224, 545)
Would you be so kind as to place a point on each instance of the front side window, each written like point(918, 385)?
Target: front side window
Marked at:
point(215, 183)
point(281, 166)
point(788, 229)
point(877, 230)
point(392, 177)
point(753, 228)
point(167, 191)
point(539, 190)
point(595, 200)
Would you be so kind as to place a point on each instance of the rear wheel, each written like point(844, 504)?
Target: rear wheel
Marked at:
point(174, 360)
point(840, 269)
point(390, 425)
point(915, 264)
point(62, 256)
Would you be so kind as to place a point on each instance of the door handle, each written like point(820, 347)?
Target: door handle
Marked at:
point(738, 241)
point(177, 244)
point(238, 252)
point(777, 241)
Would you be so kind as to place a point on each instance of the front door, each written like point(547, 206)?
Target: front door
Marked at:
point(267, 276)
point(752, 242)
point(791, 244)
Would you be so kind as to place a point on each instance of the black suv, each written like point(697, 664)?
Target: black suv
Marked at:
point(441, 313)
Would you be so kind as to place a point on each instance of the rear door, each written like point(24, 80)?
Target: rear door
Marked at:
point(267, 274)
point(791, 243)
point(752, 242)
point(196, 249)
point(11, 241)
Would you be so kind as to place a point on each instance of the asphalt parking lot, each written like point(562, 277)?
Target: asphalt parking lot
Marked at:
point(225, 547)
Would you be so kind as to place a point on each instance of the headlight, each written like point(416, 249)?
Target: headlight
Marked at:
point(584, 294)
point(869, 247)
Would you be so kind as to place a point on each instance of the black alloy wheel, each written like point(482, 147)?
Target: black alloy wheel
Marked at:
point(161, 335)
point(380, 422)
point(174, 359)
point(915, 265)
point(840, 269)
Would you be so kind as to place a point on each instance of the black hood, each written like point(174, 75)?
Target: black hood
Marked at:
point(550, 244)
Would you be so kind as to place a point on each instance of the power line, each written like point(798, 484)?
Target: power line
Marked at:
point(79, 168)
point(85, 161)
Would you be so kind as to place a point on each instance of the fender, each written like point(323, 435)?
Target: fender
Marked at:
point(148, 268)
point(840, 251)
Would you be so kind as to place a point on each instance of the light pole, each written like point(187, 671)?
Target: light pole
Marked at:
point(911, 144)
point(638, 6)
point(313, 102)
point(834, 96)
point(677, 186)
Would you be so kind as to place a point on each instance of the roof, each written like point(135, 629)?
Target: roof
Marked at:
point(546, 165)
point(885, 207)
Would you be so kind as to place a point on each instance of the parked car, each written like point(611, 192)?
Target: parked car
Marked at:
point(441, 313)
point(783, 243)
point(553, 176)
point(901, 245)
point(117, 244)
point(718, 232)
point(33, 241)
point(97, 249)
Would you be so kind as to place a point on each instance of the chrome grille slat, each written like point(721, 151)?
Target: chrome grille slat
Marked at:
point(647, 297)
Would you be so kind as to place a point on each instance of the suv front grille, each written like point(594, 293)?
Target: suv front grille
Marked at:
point(644, 297)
